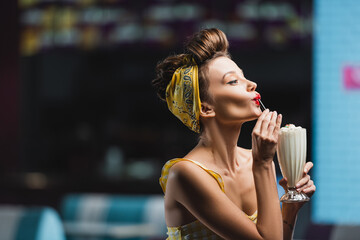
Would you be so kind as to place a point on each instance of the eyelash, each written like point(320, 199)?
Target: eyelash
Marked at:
point(233, 81)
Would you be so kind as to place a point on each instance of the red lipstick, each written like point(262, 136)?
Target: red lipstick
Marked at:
point(257, 99)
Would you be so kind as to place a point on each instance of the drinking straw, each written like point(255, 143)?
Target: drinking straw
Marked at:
point(261, 105)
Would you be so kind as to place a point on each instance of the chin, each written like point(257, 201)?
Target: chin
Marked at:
point(255, 115)
point(258, 112)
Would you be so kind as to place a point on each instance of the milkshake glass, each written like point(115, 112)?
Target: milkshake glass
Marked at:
point(291, 153)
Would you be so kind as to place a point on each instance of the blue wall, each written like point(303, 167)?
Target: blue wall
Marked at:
point(336, 111)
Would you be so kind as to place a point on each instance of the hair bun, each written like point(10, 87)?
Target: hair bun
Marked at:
point(202, 47)
point(204, 44)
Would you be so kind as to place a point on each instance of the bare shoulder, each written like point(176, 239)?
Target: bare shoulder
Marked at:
point(187, 171)
point(186, 176)
point(182, 169)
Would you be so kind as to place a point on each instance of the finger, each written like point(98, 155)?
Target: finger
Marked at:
point(283, 182)
point(307, 185)
point(307, 167)
point(303, 181)
point(257, 127)
point(278, 125)
point(310, 191)
point(272, 124)
point(265, 124)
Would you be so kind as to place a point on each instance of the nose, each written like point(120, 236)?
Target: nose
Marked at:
point(251, 86)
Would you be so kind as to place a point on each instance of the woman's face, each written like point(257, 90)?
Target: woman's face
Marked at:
point(234, 98)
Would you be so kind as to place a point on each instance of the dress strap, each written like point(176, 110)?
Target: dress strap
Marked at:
point(253, 217)
point(166, 168)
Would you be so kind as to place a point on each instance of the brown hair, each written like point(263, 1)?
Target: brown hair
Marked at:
point(202, 47)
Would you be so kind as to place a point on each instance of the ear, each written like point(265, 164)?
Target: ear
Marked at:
point(207, 110)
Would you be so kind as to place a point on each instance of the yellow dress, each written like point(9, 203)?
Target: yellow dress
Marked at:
point(194, 230)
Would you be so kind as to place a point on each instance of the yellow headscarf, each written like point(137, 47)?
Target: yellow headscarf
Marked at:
point(183, 97)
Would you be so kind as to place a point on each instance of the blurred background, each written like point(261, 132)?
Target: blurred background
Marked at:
point(80, 119)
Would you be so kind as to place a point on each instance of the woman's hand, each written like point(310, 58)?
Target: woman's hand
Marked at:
point(265, 137)
point(305, 185)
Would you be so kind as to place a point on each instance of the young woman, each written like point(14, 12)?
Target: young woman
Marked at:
point(219, 190)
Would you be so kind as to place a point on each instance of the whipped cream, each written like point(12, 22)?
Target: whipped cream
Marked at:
point(291, 152)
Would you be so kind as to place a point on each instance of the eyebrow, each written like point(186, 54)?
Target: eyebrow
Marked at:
point(231, 72)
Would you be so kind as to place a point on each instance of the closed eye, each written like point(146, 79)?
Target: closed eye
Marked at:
point(233, 82)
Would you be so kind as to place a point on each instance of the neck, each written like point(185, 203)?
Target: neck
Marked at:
point(221, 142)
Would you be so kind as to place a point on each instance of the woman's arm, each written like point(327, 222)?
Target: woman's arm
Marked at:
point(289, 214)
point(290, 210)
point(200, 194)
point(264, 141)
